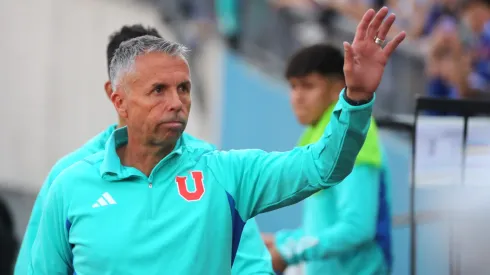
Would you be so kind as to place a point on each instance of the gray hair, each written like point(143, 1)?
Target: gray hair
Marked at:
point(123, 60)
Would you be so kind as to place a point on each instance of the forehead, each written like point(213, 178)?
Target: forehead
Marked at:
point(162, 67)
point(311, 77)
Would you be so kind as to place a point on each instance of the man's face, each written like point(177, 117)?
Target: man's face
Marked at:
point(472, 17)
point(310, 97)
point(155, 99)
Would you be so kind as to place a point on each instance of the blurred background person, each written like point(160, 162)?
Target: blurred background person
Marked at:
point(228, 21)
point(476, 16)
point(346, 229)
point(429, 14)
point(458, 58)
point(444, 60)
point(8, 240)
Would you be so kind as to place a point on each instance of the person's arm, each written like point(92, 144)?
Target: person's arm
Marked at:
point(260, 181)
point(24, 256)
point(283, 235)
point(51, 252)
point(252, 256)
point(357, 209)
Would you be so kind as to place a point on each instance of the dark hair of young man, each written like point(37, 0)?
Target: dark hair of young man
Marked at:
point(323, 59)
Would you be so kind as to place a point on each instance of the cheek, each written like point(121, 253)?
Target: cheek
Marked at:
point(186, 104)
point(138, 110)
point(298, 105)
point(316, 100)
point(317, 105)
point(156, 111)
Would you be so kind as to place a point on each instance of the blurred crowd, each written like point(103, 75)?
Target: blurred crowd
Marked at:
point(452, 36)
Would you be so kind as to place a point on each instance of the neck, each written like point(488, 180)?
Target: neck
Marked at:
point(142, 156)
point(121, 123)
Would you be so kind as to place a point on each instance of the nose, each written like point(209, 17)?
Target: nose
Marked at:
point(175, 103)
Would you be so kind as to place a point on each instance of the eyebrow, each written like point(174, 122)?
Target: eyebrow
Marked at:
point(185, 83)
point(166, 85)
point(156, 84)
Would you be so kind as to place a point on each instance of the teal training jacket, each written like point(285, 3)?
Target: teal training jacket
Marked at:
point(346, 229)
point(188, 215)
point(252, 256)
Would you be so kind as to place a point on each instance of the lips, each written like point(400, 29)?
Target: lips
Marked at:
point(173, 124)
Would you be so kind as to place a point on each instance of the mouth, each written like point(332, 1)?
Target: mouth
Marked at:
point(173, 124)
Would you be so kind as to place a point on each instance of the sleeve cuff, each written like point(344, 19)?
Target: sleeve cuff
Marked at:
point(288, 256)
point(286, 243)
point(349, 104)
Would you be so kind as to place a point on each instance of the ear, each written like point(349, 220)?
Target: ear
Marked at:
point(108, 89)
point(119, 99)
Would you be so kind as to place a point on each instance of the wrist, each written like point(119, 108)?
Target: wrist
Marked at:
point(357, 98)
point(287, 255)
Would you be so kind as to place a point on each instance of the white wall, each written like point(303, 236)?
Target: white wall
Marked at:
point(52, 71)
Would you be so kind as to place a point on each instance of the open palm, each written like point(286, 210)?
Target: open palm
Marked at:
point(365, 60)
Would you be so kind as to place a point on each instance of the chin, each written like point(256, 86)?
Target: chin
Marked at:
point(173, 135)
point(166, 140)
point(304, 121)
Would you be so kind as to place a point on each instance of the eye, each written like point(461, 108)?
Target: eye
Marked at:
point(158, 89)
point(308, 85)
point(184, 88)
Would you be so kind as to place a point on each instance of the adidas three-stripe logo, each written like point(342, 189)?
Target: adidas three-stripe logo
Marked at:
point(104, 200)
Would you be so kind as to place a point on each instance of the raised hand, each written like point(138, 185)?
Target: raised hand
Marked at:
point(366, 58)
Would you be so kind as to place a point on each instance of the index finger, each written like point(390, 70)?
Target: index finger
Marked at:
point(362, 27)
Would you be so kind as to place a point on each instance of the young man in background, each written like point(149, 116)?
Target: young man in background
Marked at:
point(346, 229)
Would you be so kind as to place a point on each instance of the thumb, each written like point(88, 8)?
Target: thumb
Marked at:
point(348, 57)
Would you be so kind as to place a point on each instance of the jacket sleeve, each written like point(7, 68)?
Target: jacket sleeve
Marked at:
point(51, 252)
point(357, 210)
point(260, 181)
point(252, 256)
point(24, 256)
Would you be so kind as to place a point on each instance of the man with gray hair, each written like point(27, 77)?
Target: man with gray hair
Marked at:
point(158, 202)
point(252, 256)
